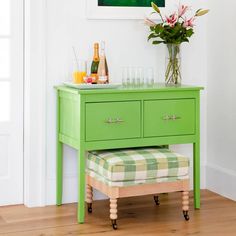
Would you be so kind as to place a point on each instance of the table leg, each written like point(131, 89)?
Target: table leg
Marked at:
point(59, 172)
point(81, 186)
point(196, 173)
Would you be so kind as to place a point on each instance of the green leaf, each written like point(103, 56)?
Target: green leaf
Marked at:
point(185, 40)
point(151, 36)
point(157, 42)
point(152, 28)
point(159, 28)
point(189, 33)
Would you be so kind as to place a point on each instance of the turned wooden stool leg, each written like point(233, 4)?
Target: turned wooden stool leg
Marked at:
point(89, 197)
point(185, 204)
point(156, 199)
point(113, 212)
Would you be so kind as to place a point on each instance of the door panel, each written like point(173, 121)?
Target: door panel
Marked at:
point(11, 102)
point(4, 155)
point(4, 101)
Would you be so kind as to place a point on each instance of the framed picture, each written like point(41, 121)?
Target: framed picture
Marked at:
point(120, 9)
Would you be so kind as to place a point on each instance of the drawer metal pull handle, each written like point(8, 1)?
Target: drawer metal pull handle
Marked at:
point(114, 121)
point(109, 121)
point(172, 117)
point(166, 118)
point(118, 120)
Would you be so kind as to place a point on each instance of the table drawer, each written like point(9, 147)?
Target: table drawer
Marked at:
point(169, 117)
point(113, 120)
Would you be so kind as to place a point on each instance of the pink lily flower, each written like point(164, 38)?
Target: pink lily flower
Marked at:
point(149, 22)
point(182, 10)
point(171, 20)
point(189, 23)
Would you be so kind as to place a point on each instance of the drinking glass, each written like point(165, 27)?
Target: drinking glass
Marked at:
point(139, 76)
point(79, 71)
point(131, 76)
point(125, 76)
point(149, 76)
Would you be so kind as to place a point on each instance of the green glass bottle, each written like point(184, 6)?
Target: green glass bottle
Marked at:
point(95, 63)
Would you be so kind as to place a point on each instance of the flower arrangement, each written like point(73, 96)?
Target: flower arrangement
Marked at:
point(172, 31)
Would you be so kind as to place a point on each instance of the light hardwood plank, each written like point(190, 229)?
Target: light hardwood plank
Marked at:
point(136, 216)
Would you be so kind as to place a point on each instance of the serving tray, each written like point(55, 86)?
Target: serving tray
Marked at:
point(92, 86)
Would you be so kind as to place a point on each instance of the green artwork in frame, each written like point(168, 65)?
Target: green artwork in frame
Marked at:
point(130, 3)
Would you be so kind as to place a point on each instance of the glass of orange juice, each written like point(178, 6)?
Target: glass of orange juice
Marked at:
point(79, 71)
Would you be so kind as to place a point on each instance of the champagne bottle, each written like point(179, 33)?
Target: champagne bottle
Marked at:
point(95, 63)
point(103, 75)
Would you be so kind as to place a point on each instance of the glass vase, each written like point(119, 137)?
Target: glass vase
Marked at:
point(173, 64)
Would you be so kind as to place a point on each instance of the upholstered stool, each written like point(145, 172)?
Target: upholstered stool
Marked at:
point(136, 172)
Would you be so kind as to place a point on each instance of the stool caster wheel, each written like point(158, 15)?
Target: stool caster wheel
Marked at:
point(90, 210)
point(156, 199)
point(186, 215)
point(114, 224)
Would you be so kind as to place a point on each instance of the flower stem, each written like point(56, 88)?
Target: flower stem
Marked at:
point(173, 74)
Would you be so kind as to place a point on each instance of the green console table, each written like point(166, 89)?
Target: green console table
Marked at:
point(126, 117)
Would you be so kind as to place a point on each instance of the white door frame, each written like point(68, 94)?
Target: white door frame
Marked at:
point(35, 103)
point(11, 124)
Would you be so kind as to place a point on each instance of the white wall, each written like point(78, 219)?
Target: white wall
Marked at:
point(221, 164)
point(126, 45)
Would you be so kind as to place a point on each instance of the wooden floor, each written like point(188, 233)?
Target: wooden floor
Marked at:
point(137, 216)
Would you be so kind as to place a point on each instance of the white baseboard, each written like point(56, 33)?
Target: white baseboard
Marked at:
point(221, 180)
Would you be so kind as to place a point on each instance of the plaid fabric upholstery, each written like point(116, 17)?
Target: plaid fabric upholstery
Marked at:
point(137, 165)
point(133, 182)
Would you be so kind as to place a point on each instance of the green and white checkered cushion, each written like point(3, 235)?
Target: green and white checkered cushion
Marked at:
point(133, 182)
point(140, 164)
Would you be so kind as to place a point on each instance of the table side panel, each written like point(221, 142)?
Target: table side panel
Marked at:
point(69, 112)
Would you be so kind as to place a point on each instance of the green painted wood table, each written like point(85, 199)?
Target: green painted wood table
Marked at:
point(126, 117)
